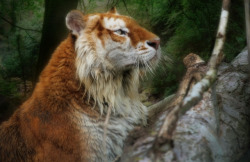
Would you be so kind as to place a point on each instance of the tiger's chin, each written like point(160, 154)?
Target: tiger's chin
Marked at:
point(149, 61)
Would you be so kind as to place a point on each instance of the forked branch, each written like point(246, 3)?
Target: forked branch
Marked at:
point(19, 27)
point(196, 92)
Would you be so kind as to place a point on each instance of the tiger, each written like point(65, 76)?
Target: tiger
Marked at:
point(93, 73)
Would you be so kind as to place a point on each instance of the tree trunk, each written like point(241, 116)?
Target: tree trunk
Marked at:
point(54, 29)
point(22, 64)
point(198, 136)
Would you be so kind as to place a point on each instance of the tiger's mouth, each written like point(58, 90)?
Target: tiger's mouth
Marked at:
point(148, 60)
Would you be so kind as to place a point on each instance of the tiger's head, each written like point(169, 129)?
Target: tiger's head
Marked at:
point(117, 41)
point(110, 46)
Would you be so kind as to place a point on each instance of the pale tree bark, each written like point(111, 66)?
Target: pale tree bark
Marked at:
point(247, 18)
point(208, 119)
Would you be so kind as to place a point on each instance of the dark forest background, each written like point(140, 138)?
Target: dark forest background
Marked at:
point(31, 29)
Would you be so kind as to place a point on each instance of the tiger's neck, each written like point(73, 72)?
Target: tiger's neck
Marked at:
point(118, 92)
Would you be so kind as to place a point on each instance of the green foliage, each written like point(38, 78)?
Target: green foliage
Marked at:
point(19, 44)
point(190, 26)
point(8, 88)
point(163, 76)
point(22, 21)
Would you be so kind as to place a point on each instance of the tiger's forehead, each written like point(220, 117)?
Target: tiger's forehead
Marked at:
point(113, 21)
point(108, 21)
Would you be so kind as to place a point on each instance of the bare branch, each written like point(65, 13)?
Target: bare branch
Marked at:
point(247, 18)
point(82, 5)
point(125, 5)
point(196, 69)
point(160, 106)
point(22, 28)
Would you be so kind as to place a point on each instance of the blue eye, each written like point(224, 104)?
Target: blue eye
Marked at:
point(121, 32)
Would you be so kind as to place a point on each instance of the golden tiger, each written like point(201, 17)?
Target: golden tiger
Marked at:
point(96, 69)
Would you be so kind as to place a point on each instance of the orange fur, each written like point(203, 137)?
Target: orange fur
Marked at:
point(54, 123)
point(45, 122)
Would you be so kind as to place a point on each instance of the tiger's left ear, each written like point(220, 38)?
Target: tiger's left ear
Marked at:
point(113, 11)
point(75, 22)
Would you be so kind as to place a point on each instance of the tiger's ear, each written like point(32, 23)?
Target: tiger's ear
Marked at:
point(113, 11)
point(75, 22)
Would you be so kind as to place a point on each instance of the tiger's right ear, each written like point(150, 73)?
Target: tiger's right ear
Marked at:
point(113, 11)
point(75, 22)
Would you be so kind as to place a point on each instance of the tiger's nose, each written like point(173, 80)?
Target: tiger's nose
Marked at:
point(154, 43)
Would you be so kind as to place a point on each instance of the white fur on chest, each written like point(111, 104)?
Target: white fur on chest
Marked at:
point(117, 130)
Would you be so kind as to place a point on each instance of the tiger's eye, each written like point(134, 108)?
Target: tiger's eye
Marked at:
point(121, 32)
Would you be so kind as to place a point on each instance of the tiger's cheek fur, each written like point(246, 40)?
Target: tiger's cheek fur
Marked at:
point(111, 49)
